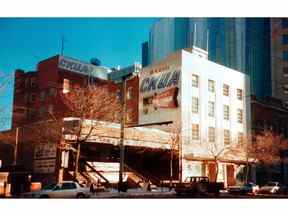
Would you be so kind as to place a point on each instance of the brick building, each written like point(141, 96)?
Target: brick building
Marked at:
point(39, 92)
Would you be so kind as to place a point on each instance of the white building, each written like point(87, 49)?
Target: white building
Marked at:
point(208, 101)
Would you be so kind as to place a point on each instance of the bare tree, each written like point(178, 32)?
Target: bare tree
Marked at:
point(266, 148)
point(219, 151)
point(89, 104)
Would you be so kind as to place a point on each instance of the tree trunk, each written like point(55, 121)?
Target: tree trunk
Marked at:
point(216, 170)
point(77, 159)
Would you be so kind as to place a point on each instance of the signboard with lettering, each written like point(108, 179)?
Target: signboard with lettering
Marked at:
point(44, 166)
point(45, 151)
point(70, 64)
point(158, 94)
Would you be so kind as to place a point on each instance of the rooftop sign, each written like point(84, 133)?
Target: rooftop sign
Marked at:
point(70, 64)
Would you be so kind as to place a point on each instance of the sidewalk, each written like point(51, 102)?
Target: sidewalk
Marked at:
point(136, 193)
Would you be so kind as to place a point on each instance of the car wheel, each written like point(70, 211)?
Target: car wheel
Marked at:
point(80, 195)
point(44, 196)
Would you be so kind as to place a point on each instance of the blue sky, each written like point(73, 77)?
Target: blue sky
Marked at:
point(26, 41)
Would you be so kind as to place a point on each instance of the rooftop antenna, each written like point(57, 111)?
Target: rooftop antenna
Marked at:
point(63, 40)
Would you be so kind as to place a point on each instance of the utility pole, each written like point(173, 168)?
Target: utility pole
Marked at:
point(16, 146)
point(121, 145)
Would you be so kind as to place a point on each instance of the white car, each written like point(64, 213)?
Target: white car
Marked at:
point(271, 187)
point(65, 189)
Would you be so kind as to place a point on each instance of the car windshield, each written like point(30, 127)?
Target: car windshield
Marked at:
point(49, 186)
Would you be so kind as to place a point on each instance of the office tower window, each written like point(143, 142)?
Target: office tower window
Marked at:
point(195, 80)
point(226, 112)
point(285, 72)
point(226, 137)
point(211, 85)
point(239, 94)
point(195, 131)
point(226, 90)
point(66, 86)
point(129, 93)
point(239, 115)
point(285, 39)
point(211, 108)
point(195, 105)
point(284, 22)
point(285, 55)
point(211, 134)
point(240, 139)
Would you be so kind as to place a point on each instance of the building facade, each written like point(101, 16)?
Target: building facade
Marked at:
point(209, 104)
point(279, 48)
point(237, 43)
point(38, 93)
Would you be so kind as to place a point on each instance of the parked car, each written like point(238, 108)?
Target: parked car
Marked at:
point(273, 188)
point(198, 185)
point(244, 189)
point(65, 189)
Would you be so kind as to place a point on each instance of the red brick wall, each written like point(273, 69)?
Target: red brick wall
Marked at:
point(132, 103)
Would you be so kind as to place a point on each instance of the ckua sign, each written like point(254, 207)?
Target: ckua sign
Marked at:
point(158, 94)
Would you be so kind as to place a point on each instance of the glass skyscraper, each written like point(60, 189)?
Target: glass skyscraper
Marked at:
point(239, 43)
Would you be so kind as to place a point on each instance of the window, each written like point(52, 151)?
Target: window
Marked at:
point(226, 90)
point(239, 115)
point(68, 186)
point(226, 112)
point(42, 95)
point(239, 94)
point(129, 115)
point(240, 139)
point(211, 86)
point(284, 22)
point(195, 105)
point(129, 93)
point(50, 109)
point(32, 98)
point(27, 81)
point(285, 72)
point(26, 98)
point(42, 111)
point(211, 134)
point(52, 92)
point(195, 131)
point(211, 109)
point(285, 39)
point(226, 137)
point(33, 83)
point(66, 86)
point(195, 80)
point(285, 55)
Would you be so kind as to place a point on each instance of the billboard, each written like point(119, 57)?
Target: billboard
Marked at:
point(76, 66)
point(158, 94)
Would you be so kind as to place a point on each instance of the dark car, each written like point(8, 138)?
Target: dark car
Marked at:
point(198, 185)
point(244, 189)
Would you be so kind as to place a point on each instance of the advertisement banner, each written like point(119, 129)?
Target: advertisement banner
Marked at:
point(158, 94)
